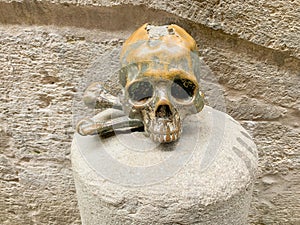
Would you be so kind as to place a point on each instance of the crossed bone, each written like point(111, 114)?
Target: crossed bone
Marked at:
point(111, 119)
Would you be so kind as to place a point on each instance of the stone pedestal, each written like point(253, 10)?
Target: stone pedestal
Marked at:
point(204, 178)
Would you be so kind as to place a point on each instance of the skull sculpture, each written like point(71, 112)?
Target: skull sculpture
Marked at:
point(160, 75)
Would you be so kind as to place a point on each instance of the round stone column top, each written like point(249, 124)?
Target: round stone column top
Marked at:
point(214, 161)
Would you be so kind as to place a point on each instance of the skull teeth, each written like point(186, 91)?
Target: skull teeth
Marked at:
point(164, 126)
point(164, 130)
point(164, 138)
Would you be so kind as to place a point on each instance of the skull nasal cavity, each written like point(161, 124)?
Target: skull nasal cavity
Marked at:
point(163, 111)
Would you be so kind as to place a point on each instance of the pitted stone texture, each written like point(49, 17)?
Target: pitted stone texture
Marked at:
point(278, 182)
point(217, 193)
point(35, 113)
point(41, 71)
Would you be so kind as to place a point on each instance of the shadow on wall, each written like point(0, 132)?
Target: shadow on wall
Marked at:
point(106, 18)
point(129, 17)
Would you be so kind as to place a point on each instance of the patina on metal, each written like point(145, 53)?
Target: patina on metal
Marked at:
point(160, 80)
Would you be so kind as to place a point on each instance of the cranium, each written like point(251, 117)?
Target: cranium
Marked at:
point(159, 75)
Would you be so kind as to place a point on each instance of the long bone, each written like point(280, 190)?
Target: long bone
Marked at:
point(105, 122)
point(97, 97)
point(98, 125)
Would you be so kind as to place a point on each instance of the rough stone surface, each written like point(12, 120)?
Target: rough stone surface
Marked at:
point(251, 48)
point(273, 24)
point(186, 190)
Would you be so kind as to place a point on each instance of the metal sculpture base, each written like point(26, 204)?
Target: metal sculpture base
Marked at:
point(204, 178)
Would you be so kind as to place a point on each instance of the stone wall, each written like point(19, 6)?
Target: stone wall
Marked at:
point(49, 47)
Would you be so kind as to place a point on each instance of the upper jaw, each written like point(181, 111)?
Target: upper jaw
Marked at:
point(164, 130)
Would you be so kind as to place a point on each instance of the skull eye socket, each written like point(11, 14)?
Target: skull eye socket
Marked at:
point(140, 91)
point(183, 89)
